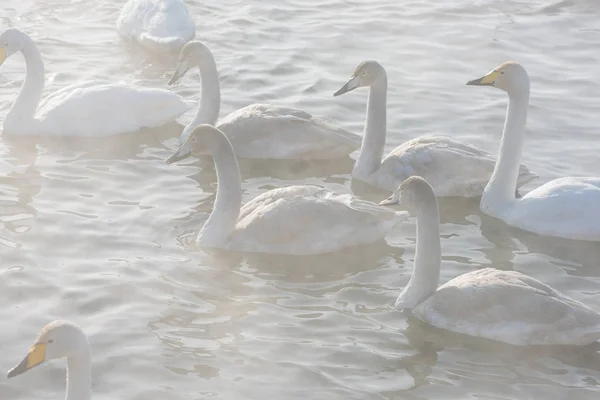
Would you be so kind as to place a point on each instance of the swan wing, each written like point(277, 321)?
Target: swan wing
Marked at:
point(156, 24)
point(102, 109)
point(267, 131)
point(565, 207)
point(310, 220)
point(451, 167)
point(510, 307)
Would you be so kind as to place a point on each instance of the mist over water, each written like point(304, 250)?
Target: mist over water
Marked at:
point(101, 232)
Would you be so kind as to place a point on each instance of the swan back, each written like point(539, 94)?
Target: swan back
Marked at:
point(511, 307)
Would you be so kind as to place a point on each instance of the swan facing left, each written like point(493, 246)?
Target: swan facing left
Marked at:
point(261, 131)
point(295, 220)
point(505, 306)
point(93, 108)
point(62, 339)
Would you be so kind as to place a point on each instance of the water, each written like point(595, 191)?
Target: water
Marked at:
point(101, 232)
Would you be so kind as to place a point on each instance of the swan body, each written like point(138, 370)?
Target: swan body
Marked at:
point(158, 25)
point(297, 220)
point(93, 108)
point(261, 131)
point(565, 207)
point(62, 339)
point(505, 306)
point(451, 167)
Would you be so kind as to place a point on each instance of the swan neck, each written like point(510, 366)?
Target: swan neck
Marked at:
point(373, 143)
point(428, 256)
point(79, 376)
point(221, 223)
point(500, 190)
point(210, 100)
point(29, 97)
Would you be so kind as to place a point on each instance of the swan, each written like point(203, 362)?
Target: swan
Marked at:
point(505, 306)
point(296, 220)
point(453, 168)
point(566, 207)
point(156, 24)
point(261, 131)
point(93, 108)
point(62, 339)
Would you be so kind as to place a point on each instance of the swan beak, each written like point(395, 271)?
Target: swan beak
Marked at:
point(389, 201)
point(348, 86)
point(3, 54)
point(36, 356)
point(182, 68)
point(181, 154)
point(487, 80)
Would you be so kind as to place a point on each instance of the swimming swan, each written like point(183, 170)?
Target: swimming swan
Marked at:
point(156, 24)
point(452, 168)
point(94, 108)
point(505, 306)
point(565, 207)
point(62, 339)
point(297, 220)
point(261, 131)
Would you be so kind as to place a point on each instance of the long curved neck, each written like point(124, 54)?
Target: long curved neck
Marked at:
point(426, 269)
point(221, 223)
point(79, 376)
point(500, 190)
point(30, 94)
point(210, 100)
point(373, 143)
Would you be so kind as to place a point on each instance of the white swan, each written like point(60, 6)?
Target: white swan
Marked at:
point(506, 306)
point(62, 339)
point(566, 207)
point(261, 131)
point(297, 220)
point(94, 108)
point(452, 168)
point(158, 25)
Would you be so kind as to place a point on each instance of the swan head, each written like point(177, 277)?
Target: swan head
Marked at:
point(10, 42)
point(58, 339)
point(509, 76)
point(194, 53)
point(204, 140)
point(411, 194)
point(365, 74)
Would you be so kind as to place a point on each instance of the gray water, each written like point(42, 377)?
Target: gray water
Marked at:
point(101, 232)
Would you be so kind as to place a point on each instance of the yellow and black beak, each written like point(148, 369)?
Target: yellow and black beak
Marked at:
point(3, 54)
point(36, 356)
point(487, 80)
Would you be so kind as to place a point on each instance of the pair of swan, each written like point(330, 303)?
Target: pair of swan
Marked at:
point(93, 108)
point(452, 168)
point(566, 207)
point(505, 306)
point(298, 220)
point(159, 25)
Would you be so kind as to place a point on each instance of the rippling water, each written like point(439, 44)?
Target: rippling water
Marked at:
point(101, 232)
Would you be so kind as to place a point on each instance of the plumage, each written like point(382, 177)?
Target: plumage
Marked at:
point(159, 25)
